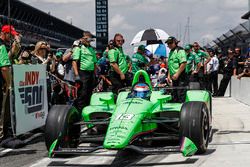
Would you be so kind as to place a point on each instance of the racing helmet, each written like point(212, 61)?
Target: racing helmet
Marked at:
point(141, 90)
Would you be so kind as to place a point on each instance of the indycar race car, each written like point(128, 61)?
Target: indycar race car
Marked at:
point(140, 119)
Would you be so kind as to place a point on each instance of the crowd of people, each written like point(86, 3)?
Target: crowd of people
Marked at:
point(81, 67)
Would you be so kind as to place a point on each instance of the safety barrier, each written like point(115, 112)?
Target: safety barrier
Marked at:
point(238, 89)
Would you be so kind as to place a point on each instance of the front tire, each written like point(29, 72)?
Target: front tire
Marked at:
point(60, 120)
point(194, 124)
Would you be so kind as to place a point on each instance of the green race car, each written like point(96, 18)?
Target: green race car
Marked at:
point(141, 119)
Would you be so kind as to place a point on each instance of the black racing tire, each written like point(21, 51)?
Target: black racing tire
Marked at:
point(194, 124)
point(194, 86)
point(61, 119)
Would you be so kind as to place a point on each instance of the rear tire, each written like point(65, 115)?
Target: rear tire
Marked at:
point(61, 119)
point(194, 124)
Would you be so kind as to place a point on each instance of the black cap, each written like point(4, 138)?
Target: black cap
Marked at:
point(211, 50)
point(142, 48)
point(172, 39)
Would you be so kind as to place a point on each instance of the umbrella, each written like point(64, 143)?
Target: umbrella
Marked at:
point(158, 49)
point(150, 35)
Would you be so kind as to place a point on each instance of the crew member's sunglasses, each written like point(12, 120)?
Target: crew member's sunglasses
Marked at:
point(89, 39)
point(121, 41)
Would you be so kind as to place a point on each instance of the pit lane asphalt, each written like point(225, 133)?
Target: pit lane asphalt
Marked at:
point(229, 147)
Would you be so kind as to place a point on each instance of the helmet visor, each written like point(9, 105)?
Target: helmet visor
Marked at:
point(141, 94)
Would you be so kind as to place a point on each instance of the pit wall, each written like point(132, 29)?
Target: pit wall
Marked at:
point(238, 89)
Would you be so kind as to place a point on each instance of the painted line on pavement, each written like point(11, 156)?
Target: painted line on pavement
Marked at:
point(41, 162)
point(230, 143)
point(5, 151)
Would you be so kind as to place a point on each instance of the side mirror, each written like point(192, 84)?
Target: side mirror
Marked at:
point(108, 101)
point(164, 98)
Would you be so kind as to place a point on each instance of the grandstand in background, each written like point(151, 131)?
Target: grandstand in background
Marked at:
point(35, 25)
point(236, 37)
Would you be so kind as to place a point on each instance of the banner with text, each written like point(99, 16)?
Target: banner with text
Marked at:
point(31, 105)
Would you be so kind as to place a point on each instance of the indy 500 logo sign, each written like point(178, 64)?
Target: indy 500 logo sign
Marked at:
point(31, 92)
point(30, 97)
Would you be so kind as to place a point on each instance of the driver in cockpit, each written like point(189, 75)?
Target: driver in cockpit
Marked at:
point(140, 90)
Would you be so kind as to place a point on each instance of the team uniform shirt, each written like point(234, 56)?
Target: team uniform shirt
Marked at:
point(191, 63)
point(4, 58)
point(128, 59)
point(175, 59)
point(138, 62)
point(246, 60)
point(247, 65)
point(230, 65)
point(69, 72)
point(87, 57)
point(201, 56)
point(214, 62)
point(241, 58)
point(116, 55)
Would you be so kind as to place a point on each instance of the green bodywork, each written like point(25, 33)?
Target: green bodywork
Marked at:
point(188, 148)
point(128, 115)
point(52, 148)
point(102, 102)
point(126, 122)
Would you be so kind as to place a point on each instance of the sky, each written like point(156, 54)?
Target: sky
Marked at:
point(208, 18)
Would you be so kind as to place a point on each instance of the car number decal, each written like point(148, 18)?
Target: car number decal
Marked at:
point(124, 116)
